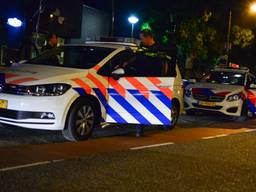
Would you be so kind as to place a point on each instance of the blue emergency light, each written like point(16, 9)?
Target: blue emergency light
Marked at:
point(14, 22)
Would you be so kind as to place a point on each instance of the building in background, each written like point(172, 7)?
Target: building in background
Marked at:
point(73, 21)
point(95, 24)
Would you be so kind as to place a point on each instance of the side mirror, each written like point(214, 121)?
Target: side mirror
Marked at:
point(118, 73)
point(192, 80)
point(253, 86)
point(22, 61)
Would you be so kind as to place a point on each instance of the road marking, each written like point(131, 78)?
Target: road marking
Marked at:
point(250, 130)
point(151, 146)
point(216, 136)
point(30, 165)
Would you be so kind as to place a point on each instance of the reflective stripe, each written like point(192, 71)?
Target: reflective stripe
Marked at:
point(98, 84)
point(10, 75)
point(162, 97)
point(139, 86)
point(110, 111)
point(128, 107)
point(150, 107)
point(80, 91)
point(82, 84)
point(167, 91)
point(23, 80)
point(121, 90)
point(96, 68)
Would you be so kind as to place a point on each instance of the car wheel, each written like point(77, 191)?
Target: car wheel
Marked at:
point(81, 121)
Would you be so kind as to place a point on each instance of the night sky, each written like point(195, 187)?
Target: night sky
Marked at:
point(144, 9)
point(182, 9)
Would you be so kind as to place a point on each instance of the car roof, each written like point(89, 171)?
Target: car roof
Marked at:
point(114, 45)
point(232, 70)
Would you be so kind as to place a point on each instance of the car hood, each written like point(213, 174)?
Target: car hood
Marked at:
point(28, 74)
point(210, 88)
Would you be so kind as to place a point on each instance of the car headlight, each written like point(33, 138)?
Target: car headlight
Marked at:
point(44, 90)
point(188, 92)
point(234, 97)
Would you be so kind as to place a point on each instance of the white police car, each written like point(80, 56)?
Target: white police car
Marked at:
point(226, 91)
point(76, 87)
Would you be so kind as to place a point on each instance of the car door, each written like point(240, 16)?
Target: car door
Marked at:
point(251, 92)
point(143, 93)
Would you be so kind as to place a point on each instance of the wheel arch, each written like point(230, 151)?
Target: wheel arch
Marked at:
point(92, 98)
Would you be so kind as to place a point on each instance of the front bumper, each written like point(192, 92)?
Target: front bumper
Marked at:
point(227, 108)
point(46, 113)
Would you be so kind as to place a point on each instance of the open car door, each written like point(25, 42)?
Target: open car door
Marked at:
point(140, 90)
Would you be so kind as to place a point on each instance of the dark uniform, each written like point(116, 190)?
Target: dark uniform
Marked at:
point(53, 57)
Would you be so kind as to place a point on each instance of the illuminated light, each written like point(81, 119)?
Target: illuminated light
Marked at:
point(234, 65)
point(51, 16)
point(145, 26)
point(133, 19)
point(14, 22)
point(253, 8)
point(238, 75)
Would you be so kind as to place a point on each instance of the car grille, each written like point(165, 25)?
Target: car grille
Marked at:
point(212, 98)
point(206, 107)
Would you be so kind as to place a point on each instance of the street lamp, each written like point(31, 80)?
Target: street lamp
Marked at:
point(133, 20)
point(253, 8)
point(14, 22)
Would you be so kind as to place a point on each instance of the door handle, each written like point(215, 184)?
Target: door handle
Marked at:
point(163, 85)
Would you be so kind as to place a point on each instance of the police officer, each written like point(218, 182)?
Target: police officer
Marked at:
point(52, 41)
point(148, 42)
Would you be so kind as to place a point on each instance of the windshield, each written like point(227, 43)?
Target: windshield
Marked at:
point(221, 77)
point(81, 57)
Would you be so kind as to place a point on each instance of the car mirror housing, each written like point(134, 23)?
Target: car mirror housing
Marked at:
point(253, 86)
point(192, 80)
point(118, 73)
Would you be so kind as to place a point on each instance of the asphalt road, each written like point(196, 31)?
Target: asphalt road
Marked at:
point(202, 154)
point(217, 164)
point(13, 136)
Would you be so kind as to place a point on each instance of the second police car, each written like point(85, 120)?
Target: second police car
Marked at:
point(227, 91)
point(92, 83)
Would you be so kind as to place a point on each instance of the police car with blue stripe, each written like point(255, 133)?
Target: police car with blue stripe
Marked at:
point(229, 91)
point(98, 82)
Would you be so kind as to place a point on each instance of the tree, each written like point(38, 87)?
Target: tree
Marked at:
point(242, 37)
point(197, 41)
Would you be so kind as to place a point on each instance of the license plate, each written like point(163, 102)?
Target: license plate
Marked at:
point(3, 104)
point(207, 104)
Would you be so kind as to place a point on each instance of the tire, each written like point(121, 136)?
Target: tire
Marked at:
point(81, 121)
point(175, 116)
point(244, 113)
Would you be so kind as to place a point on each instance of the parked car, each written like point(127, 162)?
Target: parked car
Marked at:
point(227, 91)
point(89, 84)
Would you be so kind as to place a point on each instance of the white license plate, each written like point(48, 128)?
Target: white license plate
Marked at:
point(207, 104)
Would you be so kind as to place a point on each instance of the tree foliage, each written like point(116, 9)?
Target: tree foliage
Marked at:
point(242, 37)
point(196, 36)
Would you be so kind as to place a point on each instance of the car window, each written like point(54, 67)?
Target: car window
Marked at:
point(81, 57)
point(224, 77)
point(250, 80)
point(139, 65)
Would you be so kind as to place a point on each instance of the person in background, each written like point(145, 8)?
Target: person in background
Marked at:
point(52, 41)
point(148, 41)
point(49, 49)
